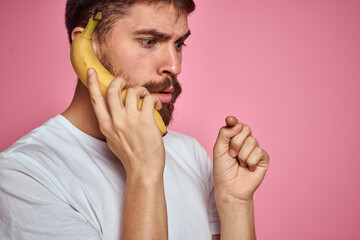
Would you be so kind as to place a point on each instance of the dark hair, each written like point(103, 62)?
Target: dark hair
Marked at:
point(78, 12)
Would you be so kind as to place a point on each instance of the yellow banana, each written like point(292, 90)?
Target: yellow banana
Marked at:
point(83, 57)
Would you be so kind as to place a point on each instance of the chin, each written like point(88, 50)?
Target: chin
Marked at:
point(166, 112)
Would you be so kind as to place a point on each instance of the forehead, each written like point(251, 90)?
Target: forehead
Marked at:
point(163, 17)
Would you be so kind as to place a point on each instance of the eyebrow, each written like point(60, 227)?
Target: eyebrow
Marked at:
point(161, 35)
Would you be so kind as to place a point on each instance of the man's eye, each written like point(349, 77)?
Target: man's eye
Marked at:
point(147, 42)
point(179, 45)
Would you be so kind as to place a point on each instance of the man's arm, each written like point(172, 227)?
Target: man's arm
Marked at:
point(144, 209)
point(239, 168)
point(133, 136)
point(237, 220)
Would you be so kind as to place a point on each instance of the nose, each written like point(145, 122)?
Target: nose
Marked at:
point(171, 62)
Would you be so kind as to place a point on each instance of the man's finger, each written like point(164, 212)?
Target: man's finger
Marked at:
point(231, 121)
point(97, 100)
point(238, 141)
point(254, 158)
point(114, 97)
point(133, 95)
point(232, 128)
point(249, 145)
point(258, 158)
point(151, 102)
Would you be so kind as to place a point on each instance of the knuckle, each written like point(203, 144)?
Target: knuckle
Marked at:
point(222, 133)
point(265, 154)
point(143, 91)
point(116, 125)
point(252, 140)
point(111, 91)
point(222, 130)
point(122, 81)
point(236, 143)
point(259, 151)
point(247, 129)
point(156, 98)
point(104, 129)
point(95, 98)
point(149, 98)
point(131, 91)
point(252, 163)
point(140, 88)
point(256, 153)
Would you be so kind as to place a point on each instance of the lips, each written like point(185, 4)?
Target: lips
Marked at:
point(165, 95)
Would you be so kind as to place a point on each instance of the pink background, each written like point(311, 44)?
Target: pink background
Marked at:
point(289, 69)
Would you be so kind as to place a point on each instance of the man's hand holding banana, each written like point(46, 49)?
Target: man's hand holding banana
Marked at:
point(131, 133)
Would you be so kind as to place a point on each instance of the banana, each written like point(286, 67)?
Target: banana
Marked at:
point(83, 57)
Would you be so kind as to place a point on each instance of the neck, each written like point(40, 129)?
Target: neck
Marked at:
point(81, 113)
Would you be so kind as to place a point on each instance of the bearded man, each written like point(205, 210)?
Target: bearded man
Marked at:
point(102, 170)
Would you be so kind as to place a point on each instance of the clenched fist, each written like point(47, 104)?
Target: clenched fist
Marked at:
point(240, 163)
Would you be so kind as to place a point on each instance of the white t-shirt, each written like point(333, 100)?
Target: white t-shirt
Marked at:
point(59, 183)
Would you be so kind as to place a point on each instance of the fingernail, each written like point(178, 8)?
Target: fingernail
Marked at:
point(90, 72)
point(232, 152)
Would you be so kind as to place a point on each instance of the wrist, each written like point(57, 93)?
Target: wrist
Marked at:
point(236, 217)
point(228, 204)
point(145, 180)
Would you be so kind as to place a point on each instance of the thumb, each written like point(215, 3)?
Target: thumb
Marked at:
point(226, 133)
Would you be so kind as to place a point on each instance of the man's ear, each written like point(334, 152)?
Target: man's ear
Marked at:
point(76, 31)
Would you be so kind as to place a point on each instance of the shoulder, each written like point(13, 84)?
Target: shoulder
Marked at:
point(186, 148)
point(185, 145)
point(33, 142)
point(37, 150)
point(29, 164)
point(21, 172)
point(181, 140)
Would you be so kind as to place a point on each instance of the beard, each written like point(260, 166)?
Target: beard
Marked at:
point(166, 112)
point(167, 109)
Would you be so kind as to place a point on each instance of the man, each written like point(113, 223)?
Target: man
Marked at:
point(101, 169)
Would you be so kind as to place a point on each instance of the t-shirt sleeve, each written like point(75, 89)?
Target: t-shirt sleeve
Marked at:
point(30, 209)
